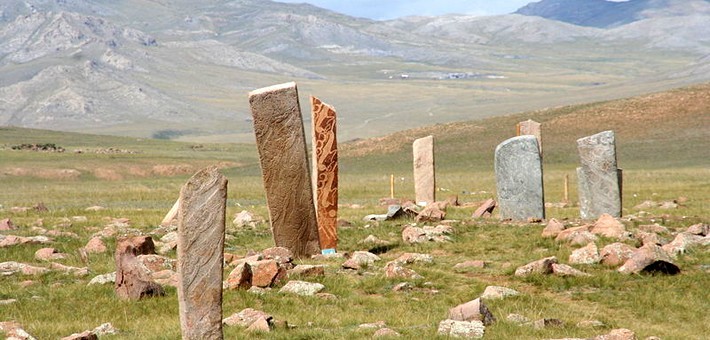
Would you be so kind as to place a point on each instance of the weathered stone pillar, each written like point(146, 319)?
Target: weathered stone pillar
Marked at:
point(200, 254)
point(424, 177)
point(280, 139)
point(325, 172)
point(518, 170)
point(599, 178)
point(531, 127)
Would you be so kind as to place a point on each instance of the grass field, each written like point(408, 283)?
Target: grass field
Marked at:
point(663, 145)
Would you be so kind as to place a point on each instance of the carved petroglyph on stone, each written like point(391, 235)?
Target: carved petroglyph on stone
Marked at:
point(518, 170)
point(598, 177)
point(531, 127)
point(280, 139)
point(424, 178)
point(200, 252)
point(325, 172)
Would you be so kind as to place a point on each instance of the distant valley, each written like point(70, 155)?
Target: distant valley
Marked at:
point(181, 69)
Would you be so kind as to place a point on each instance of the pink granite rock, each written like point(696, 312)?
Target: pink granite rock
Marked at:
point(585, 255)
point(649, 258)
point(542, 266)
point(96, 246)
point(553, 228)
point(610, 227)
point(616, 254)
point(240, 277)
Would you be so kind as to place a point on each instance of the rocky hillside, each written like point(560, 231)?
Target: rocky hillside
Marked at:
point(181, 69)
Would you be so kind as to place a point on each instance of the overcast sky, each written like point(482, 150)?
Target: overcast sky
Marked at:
point(389, 9)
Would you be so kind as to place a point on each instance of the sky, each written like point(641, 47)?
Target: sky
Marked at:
point(390, 9)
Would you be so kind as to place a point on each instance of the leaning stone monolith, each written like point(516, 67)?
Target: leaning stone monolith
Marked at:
point(280, 139)
point(200, 254)
point(424, 178)
point(325, 172)
point(598, 177)
point(518, 170)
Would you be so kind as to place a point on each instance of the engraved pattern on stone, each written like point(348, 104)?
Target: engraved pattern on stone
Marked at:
point(325, 171)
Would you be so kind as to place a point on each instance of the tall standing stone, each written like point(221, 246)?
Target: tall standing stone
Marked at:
point(531, 127)
point(424, 179)
point(518, 169)
point(280, 139)
point(200, 254)
point(325, 172)
point(598, 177)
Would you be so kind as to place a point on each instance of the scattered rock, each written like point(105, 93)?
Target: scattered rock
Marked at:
point(408, 258)
point(412, 234)
point(610, 227)
point(384, 332)
point(485, 209)
point(12, 267)
point(649, 258)
point(565, 270)
point(577, 236)
point(681, 243)
point(652, 238)
point(590, 324)
point(372, 239)
point(395, 269)
point(245, 219)
point(267, 273)
point(653, 228)
point(14, 331)
point(496, 292)
point(85, 335)
point(258, 290)
point(701, 229)
point(474, 310)
point(302, 288)
point(360, 259)
point(240, 277)
point(434, 212)
point(261, 325)
point(95, 208)
point(246, 318)
point(461, 329)
point(279, 254)
point(6, 224)
point(517, 319)
point(12, 240)
point(156, 263)
point(542, 266)
point(105, 329)
point(394, 211)
point(327, 257)
point(646, 205)
point(618, 334)
point(49, 254)
point(103, 279)
point(96, 246)
point(548, 323)
point(668, 205)
point(403, 286)
point(477, 264)
point(7, 302)
point(586, 255)
point(305, 270)
point(616, 254)
point(76, 271)
point(326, 296)
point(553, 228)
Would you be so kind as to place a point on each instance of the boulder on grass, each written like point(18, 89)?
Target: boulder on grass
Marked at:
point(474, 310)
point(651, 259)
point(542, 266)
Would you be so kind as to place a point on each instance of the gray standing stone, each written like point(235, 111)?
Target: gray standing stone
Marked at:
point(281, 142)
point(518, 169)
point(599, 178)
point(200, 254)
point(424, 179)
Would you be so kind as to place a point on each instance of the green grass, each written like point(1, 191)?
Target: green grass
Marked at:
point(57, 304)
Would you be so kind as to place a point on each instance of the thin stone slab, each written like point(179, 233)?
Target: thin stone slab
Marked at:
point(518, 170)
point(598, 176)
point(424, 178)
point(280, 139)
point(531, 127)
point(325, 172)
point(200, 254)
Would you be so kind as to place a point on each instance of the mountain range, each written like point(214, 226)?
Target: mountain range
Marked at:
point(181, 69)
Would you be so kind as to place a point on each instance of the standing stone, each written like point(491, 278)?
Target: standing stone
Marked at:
point(278, 126)
point(531, 127)
point(424, 179)
point(200, 254)
point(599, 184)
point(325, 172)
point(132, 282)
point(518, 169)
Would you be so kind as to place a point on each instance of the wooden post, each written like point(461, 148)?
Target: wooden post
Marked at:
point(392, 186)
point(566, 198)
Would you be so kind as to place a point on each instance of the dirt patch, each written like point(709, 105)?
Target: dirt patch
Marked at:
point(107, 174)
point(66, 174)
point(173, 169)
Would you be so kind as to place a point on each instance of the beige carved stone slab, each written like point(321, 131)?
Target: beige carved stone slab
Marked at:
point(531, 127)
point(200, 254)
point(325, 172)
point(280, 139)
point(424, 178)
